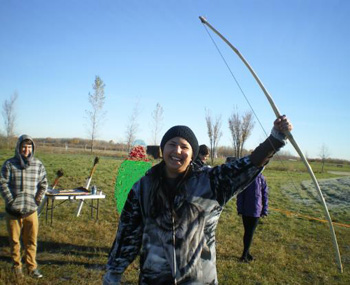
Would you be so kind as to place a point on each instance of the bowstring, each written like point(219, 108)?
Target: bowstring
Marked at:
point(251, 107)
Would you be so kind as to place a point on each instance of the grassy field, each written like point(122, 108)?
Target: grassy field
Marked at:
point(289, 246)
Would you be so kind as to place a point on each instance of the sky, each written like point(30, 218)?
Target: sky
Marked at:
point(149, 52)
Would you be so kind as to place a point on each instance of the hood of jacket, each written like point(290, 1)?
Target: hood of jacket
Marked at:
point(24, 161)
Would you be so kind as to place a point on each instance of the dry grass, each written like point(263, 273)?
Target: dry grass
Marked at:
point(288, 249)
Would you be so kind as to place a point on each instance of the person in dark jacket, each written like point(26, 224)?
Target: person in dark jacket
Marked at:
point(252, 204)
point(171, 214)
point(22, 185)
point(203, 155)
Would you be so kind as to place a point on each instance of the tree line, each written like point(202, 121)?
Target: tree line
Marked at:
point(239, 125)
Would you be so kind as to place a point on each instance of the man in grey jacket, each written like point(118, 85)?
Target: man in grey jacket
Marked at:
point(23, 183)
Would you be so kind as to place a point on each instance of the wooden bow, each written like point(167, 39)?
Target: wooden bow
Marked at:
point(290, 138)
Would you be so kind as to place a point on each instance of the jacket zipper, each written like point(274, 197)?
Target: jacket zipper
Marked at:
point(174, 253)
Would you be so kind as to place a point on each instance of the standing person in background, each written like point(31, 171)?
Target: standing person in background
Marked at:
point(252, 204)
point(22, 185)
point(203, 155)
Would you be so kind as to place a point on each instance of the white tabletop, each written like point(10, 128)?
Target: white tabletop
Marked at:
point(76, 197)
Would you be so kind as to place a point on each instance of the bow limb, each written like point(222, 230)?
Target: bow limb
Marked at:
point(290, 138)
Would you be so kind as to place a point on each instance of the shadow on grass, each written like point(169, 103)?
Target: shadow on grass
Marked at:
point(63, 249)
point(4, 242)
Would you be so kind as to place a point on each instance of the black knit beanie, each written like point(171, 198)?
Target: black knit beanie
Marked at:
point(183, 132)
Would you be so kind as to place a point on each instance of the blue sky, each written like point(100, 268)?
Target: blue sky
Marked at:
point(150, 52)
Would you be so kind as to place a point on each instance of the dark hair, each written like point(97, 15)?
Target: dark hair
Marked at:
point(203, 149)
point(26, 141)
point(161, 191)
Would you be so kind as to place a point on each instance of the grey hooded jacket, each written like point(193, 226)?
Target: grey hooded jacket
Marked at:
point(23, 182)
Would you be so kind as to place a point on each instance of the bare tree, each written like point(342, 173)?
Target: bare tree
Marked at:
point(157, 116)
point(132, 127)
point(9, 115)
point(234, 126)
point(324, 154)
point(96, 115)
point(214, 133)
point(240, 128)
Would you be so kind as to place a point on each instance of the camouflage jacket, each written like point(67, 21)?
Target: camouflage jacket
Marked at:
point(177, 248)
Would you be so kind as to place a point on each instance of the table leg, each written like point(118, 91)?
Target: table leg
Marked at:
point(97, 208)
point(92, 208)
point(81, 202)
point(52, 206)
point(47, 208)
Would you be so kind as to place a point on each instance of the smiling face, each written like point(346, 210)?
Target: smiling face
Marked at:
point(26, 149)
point(177, 155)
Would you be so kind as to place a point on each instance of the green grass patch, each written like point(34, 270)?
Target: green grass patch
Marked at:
point(288, 249)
